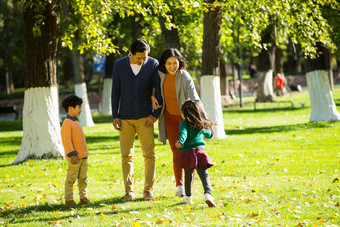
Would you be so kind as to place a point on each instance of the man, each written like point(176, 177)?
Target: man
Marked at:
point(134, 78)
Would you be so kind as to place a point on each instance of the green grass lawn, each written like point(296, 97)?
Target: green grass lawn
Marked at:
point(273, 168)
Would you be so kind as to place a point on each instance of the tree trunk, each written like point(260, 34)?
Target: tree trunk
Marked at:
point(67, 73)
point(224, 78)
point(136, 26)
point(9, 82)
point(338, 64)
point(265, 68)
point(210, 80)
point(41, 127)
point(170, 37)
point(323, 107)
point(85, 117)
point(294, 62)
point(80, 90)
point(328, 56)
point(235, 77)
point(107, 84)
point(279, 61)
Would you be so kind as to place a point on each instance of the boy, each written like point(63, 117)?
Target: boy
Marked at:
point(76, 152)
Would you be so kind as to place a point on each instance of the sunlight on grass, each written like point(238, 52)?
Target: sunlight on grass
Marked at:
point(274, 168)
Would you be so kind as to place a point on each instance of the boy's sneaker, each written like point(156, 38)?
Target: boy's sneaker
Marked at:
point(209, 200)
point(70, 203)
point(188, 200)
point(179, 194)
point(85, 201)
point(129, 196)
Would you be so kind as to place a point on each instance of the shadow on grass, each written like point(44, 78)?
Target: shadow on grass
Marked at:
point(7, 126)
point(9, 141)
point(64, 208)
point(262, 110)
point(281, 128)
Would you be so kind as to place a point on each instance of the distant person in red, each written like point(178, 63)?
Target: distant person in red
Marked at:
point(280, 83)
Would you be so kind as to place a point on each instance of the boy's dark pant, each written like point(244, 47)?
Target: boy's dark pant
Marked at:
point(204, 175)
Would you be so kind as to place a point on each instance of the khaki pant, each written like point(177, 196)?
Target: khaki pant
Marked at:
point(129, 128)
point(74, 172)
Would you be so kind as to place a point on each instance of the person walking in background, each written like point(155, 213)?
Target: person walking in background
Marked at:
point(76, 151)
point(191, 145)
point(176, 86)
point(280, 83)
point(134, 78)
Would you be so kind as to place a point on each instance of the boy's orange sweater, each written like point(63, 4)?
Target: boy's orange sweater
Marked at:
point(73, 137)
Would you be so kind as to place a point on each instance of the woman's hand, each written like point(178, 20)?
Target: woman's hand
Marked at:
point(178, 144)
point(155, 104)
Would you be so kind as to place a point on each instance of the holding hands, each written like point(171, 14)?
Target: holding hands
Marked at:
point(178, 144)
point(155, 104)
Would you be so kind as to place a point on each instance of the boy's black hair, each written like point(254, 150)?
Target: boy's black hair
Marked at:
point(71, 100)
point(140, 45)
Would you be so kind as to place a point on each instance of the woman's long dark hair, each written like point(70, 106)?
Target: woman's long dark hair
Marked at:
point(195, 116)
point(171, 52)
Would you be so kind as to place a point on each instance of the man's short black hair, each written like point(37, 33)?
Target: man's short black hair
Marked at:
point(71, 100)
point(140, 45)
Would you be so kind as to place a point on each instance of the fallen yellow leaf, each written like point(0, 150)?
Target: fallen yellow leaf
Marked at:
point(211, 212)
point(255, 190)
point(7, 176)
point(23, 203)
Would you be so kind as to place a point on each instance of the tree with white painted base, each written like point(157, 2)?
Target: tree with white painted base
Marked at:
point(265, 67)
point(80, 89)
point(210, 81)
point(41, 127)
point(322, 103)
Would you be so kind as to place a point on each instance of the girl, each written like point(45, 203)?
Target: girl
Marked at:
point(191, 145)
point(177, 86)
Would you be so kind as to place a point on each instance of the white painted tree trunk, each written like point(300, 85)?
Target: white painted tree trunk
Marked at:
point(106, 104)
point(41, 127)
point(85, 118)
point(265, 86)
point(322, 103)
point(211, 100)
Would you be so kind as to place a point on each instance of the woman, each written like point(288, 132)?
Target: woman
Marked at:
point(177, 86)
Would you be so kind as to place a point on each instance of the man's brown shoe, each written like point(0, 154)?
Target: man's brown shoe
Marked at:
point(70, 203)
point(85, 201)
point(129, 196)
point(148, 195)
